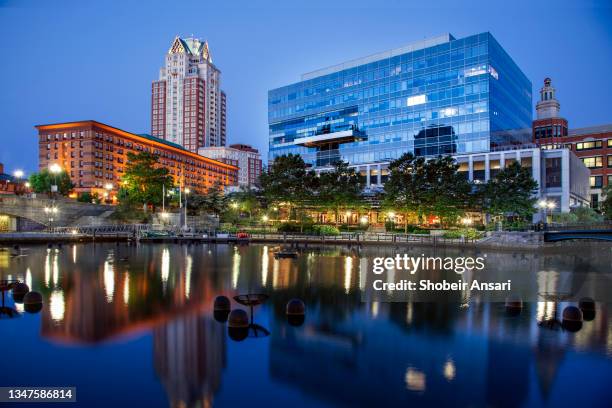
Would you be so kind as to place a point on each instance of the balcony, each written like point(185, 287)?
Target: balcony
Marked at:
point(344, 136)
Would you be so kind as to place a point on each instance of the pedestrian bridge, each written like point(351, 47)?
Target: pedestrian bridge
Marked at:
point(593, 234)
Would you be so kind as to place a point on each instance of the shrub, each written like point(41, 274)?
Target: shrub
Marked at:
point(468, 233)
point(325, 230)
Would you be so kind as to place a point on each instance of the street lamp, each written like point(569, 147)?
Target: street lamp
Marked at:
point(108, 187)
point(187, 191)
point(364, 220)
point(551, 206)
point(265, 219)
point(55, 169)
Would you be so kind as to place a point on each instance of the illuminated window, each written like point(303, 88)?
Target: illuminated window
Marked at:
point(596, 144)
point(592, 162)
point(416, 100)
point(596, 181)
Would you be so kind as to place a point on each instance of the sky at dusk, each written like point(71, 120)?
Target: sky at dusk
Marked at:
point(74, 60)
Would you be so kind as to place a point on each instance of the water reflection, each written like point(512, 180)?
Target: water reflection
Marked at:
point(465, 351)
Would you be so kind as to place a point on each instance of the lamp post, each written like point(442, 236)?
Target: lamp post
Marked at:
point(551, 206)
point(265, 219)
point(55, 169)
point(18, 174)
point(187, 191)
point(108, 187)
point(542, 204)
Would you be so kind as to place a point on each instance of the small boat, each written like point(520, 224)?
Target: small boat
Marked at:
point(286, 253)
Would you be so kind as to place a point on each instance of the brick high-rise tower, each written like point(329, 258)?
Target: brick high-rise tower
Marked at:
point(187, 103)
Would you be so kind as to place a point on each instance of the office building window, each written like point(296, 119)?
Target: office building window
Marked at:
point(596, 181)
point(593, 162)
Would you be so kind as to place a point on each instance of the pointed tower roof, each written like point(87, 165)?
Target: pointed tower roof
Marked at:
point(192, 46)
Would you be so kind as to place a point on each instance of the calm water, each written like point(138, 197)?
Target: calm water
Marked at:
point(134, 326)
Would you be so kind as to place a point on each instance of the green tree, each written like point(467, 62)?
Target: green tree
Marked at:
point(247, 200)
point(446, 191)
point(511, 192)
point(213, 201)
point(289, 181)
point(144, 180)
point(339, 189)
point(404, 186)
point(41, 182)
point(422, 187)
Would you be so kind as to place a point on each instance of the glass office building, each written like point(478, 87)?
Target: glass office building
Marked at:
point(438, 96)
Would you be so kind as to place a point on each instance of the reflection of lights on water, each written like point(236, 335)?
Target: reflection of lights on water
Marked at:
point(109, 280)
point(363, 273)
point(57, 305)
point(74, 254)
point(449, 370)
point(235, 269)
point(264, 266)
point(375, 308)
point(126, 289)
point(415, 379)
point(48, 269)
point(545, 311)
point(390, 278)
point(409, 313)
point(348, 271)
point(28, 278)
point(165, 268)
point(188, 268)
point(55, 270)
point(275, 266)
point(19, 307)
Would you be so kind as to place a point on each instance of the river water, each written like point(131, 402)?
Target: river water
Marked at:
point(134, 326)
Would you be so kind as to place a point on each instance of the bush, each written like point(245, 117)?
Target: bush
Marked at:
point(325, 230)
point(468, 233)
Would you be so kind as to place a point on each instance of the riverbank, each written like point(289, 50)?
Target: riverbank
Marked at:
point(499, 241)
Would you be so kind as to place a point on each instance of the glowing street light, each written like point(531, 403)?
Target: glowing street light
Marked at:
point(363, 220)
point(18, 174)
point(234, 205)
point(55, 168)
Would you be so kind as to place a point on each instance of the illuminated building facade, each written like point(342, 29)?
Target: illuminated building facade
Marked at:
point(593, 145)
point(438, 96)
point(95, 157)
point(188, 106)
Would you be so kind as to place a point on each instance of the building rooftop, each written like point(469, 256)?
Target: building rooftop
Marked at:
point(417, 45)
point(68, 125)
point(590, 130)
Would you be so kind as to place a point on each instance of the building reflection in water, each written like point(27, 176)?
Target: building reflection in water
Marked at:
point(347, 351)
point(189, 357)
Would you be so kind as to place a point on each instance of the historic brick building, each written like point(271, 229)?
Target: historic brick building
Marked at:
point(593, 145)
point(95, 156)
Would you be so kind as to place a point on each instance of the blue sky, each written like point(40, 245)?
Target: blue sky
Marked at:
point(74, 60)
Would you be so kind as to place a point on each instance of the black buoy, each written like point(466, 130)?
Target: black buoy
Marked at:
point(238, 325)
point(296, 311)
point(238, 333)
point(221, 315)
point(587, 306)
point(238, 318)
point(514, 305)
point(222, 303)
point(572, 319)
point(32, 302)
point(19, 291)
